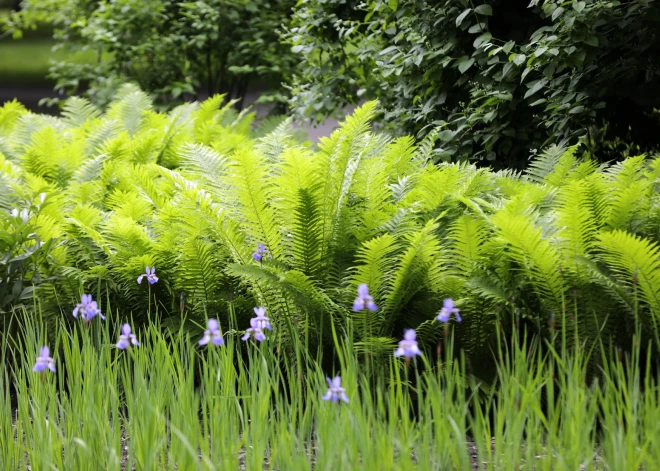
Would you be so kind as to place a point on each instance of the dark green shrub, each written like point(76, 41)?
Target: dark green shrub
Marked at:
point(170, 48)
point(497, 78)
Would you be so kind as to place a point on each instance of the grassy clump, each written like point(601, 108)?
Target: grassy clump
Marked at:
point(170, 404)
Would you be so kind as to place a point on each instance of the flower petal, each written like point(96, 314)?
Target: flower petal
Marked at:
point(358, 304)
point(260, 311)
point(213, 324)
point(363, 290)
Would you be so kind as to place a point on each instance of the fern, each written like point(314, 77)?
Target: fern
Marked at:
point(77, 111)
point(193, 193)
point(635, 262)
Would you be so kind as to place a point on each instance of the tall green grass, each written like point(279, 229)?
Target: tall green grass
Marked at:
point(171, 404)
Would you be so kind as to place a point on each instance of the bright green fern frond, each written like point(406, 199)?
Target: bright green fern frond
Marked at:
point(630, 192)
point(198, 274)
point(551, 164)
point(78, 110)
point(576, 220)
point(409, 274)
point(306, 243)
point(128, 107)
point(278, 140)
point(205, 165)
point(534, 255)
point(635, 261)
point(253, 190)
point(468, 234)
point(9, 114)
point(375, 263)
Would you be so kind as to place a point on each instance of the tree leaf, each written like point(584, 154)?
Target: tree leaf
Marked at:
point(536, 87)
point(486, 10)
point(592, 41)
point(464, 63)
point(478, 28)
point(393, 4)
point(576, 109)
point(557, 12)
point(462, 16)
point(578, 6)
point(482, 38)
point(519, 59)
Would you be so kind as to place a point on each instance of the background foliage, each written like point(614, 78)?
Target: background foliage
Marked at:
point(570, 246)
point(497, 78)
point(167, 47)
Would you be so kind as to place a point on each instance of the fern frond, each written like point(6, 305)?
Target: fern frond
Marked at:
point(635, 261)
point(78, 110)
point(10, 112)
point(253, 190)
point(128, 107)
point(306, 242)
point(535, 256)
point(468, 235)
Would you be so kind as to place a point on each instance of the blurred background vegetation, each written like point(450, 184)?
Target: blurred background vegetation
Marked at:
point(492, 81)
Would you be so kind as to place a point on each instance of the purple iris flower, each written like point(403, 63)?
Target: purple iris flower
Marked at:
point(335, 391)
point(447, 310)
point(150, 275)
point(127, 338)
point(263, 322)
point(87, 308)
point(408, 346)
point(212, 334)
point(258, 324)
point(364, 300)
point(44, 361)
point(261, 251)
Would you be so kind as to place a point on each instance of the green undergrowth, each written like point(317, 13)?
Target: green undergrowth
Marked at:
point(90, 198)
point(170, 404)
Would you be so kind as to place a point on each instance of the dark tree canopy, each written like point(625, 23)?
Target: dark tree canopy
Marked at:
point(493, 79)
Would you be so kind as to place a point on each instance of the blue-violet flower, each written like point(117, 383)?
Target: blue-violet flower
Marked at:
point(127, 338)
point(364, 300)
point(447, 310)
point(261, 251)
point(408, 346)
point(212, 334)
point(150, 274)
point(87, 308)
point(44, 361)
point(335, 391)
